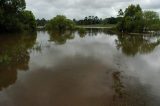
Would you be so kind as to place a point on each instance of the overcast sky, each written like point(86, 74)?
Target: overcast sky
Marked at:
point(80, 8)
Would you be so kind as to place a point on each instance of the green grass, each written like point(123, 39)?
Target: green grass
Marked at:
point(98, 25)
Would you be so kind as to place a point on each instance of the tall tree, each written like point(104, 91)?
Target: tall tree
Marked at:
point(132, 20)
point(12, 6)
point(11, 19)
point(120, 13)
point(151, 19)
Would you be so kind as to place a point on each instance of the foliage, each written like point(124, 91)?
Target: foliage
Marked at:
point(28, 20)
point(14, 17)
point(120, 13)
point(90, 20)
point(12, 6)
point(152, 21)
point(111, 20)
point(95, 20)
point(41, 22)
point(133, 19)
point(60, 22)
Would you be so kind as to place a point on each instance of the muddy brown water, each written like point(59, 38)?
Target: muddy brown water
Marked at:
point(93, 68)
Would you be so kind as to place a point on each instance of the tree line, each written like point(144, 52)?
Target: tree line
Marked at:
point(14, 17)
point(88, 20)
point(41, 22)
point(93, 20)
point(134, 19)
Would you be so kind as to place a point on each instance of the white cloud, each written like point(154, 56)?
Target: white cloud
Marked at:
point(81, 8)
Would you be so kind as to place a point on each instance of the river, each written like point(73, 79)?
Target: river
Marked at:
point(95, 68)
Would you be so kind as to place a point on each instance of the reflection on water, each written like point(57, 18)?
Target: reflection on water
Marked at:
point(14, 56)
point(118, 85)
point(131, 45)
point(95, 67)
point(61, 37)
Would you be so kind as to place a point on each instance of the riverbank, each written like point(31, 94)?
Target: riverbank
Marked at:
point(108, 26)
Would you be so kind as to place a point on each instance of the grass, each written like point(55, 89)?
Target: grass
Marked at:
point(98, 25)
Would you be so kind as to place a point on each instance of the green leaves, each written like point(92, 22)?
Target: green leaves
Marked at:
point(5, 59)
point(60, 22)
point(28, 20)
point(135, 20)
point(151, 20)
point(132, 19)
point(14, 18)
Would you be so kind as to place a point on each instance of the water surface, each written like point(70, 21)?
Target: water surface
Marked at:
point(95, 68)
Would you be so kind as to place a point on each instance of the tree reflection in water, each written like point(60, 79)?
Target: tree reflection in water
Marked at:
point(14, 55)
point(81, 79)
point(94, 31)
point(60, 37)
point(82, 32)
point(134, 44)
point(117, 84)
point(130, 92)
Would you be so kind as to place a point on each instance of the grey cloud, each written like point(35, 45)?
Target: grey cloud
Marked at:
point(81, 8)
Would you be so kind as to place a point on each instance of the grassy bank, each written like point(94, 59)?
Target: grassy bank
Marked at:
point(97, 26)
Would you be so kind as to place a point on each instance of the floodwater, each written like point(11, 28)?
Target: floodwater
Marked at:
point(93, 68)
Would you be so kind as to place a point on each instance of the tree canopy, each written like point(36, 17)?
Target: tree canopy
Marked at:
point(89, 20)
point(41, 22)
point(14, 17)
point(133, 19)
point(94, 20)
point(151, 20)
point(60, 22)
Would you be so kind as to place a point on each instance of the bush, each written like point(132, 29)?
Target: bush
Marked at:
point(60, 22)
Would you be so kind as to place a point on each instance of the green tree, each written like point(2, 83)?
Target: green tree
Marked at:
point(41, 22)
point(60, 22)
point(132, 19)
point(120, 13)
point(151, 19)
point(135, 20)
point(28, 20)
point(11, 16)
point(12, 6)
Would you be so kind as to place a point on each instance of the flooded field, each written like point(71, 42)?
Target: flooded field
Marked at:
point(95, 68)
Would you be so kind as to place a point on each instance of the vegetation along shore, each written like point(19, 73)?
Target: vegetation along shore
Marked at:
point(15, 18)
